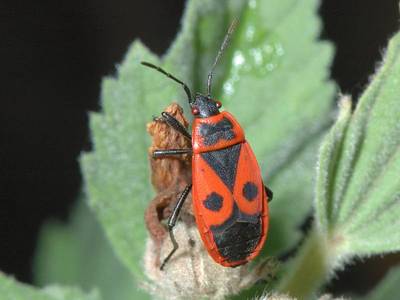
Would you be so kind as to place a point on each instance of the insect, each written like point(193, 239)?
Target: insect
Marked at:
point(230, 201)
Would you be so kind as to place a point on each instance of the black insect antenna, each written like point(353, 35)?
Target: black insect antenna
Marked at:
point(220, 52)
point(185, 87)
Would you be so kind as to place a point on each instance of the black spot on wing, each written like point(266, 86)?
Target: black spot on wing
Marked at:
point(224, 162)
point(212, 133)
point(250, 191)
point(213, 202)
point(238, 236)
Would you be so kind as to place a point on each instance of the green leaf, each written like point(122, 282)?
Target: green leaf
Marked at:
point(306, 271)
point(277, 87)
point(10, 289)
point(78, 254)
point(117, 173)
point(358, 199)
point(388, 288)
point(329, 152)
point(283, 103)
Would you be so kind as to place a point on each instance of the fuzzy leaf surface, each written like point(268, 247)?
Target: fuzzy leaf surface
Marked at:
point(359, 199)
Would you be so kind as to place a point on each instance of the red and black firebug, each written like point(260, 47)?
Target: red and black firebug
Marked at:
point(230, 201)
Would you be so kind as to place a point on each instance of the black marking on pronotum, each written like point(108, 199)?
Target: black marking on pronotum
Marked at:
point(224, 163)
point(213, 201)
point(250, 191)
point(212, 133)
point(238, 236)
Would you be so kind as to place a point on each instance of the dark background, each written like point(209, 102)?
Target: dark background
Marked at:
point(53, 56)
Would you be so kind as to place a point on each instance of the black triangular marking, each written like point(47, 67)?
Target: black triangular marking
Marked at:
point(224, 162)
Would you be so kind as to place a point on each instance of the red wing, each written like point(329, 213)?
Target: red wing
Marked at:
point(213, 201)
point(248, 190)
point(230, 204)
point(221, 180)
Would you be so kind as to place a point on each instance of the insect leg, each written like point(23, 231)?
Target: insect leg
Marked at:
point(270, 194)
point(172, 220)
point(175, 124)
point(170, 152)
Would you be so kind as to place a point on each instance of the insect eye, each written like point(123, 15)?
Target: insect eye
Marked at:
point(218, 104)
point(195, 111)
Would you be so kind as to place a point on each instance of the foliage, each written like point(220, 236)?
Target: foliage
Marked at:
point(273, 78)
point(116, 172)
point(358, 187)
point(358, 176)
point(10, 289)
point(388, 288)
point(79, 254)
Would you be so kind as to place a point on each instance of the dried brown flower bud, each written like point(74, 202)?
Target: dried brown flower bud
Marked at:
point(169, 175)
point(168, 172)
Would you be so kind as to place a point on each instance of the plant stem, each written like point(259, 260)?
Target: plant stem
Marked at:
point(308, 269)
